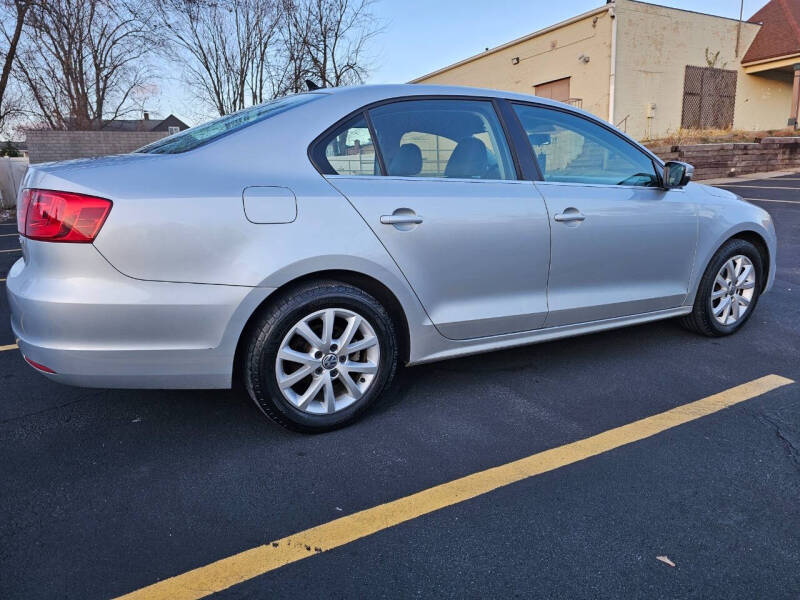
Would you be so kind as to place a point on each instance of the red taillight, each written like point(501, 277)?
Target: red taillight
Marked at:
point(61, 216)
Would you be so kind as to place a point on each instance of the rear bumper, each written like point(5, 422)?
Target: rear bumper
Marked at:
point(75, 314)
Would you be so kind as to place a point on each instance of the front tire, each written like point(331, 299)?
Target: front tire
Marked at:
point(320, 357)
point(729, 290)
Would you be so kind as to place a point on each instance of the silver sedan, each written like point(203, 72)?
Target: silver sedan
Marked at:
point(311, 244)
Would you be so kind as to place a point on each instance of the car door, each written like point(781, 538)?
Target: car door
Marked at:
point(621, 244)
point(472, 240)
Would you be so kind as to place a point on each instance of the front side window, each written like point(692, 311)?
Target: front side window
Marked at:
point(442, 138)
point(348, 150)
point(571, 149)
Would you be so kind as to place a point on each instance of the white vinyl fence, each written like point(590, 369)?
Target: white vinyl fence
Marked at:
point(12, 170)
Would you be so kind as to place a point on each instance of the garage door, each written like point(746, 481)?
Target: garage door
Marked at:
point(555, 90)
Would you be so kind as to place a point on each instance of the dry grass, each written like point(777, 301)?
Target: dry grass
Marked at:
point(718, 136)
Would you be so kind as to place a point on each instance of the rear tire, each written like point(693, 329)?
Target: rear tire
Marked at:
point(729, 290)
point(319, 357)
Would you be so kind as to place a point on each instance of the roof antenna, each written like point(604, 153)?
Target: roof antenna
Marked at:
point(311, 85)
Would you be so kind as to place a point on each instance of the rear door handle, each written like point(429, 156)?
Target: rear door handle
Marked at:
point(569, 216)
point(401, 219)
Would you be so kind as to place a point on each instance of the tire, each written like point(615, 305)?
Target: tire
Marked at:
point(712, 294)
point(340, 385)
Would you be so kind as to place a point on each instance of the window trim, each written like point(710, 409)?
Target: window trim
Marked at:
point(528, 150)
point(314, 146)
point(377, 146)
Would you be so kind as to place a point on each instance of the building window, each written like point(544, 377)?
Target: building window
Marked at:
point(172, 130)
point(709, 97)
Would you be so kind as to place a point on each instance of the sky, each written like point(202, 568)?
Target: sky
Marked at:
point(421, 36)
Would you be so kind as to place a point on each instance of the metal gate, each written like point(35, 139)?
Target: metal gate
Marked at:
point(709, 97)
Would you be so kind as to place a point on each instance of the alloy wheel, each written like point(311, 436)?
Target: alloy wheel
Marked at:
point(327, 361)
point(733, 290)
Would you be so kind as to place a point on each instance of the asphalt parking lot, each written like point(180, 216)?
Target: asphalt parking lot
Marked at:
point(105, 492)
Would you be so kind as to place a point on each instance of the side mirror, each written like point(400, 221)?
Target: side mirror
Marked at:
point(677, 174)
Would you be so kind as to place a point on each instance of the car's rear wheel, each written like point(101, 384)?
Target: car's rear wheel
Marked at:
point(729, 291)
point(319, 357)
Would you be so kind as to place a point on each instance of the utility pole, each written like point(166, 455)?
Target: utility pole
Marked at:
point(739, 28)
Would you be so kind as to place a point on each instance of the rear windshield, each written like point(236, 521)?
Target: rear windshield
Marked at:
point(207, 132)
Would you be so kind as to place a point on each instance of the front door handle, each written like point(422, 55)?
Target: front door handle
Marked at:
point(401, 219)
point(570, 215)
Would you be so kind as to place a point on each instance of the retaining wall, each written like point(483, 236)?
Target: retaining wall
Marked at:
point(712, 161)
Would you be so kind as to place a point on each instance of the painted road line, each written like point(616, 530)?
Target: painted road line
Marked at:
point(8, 234)
point(237, 568)
point(767, 200)
point(12, 250)
point(10, 347)
point(759, 187)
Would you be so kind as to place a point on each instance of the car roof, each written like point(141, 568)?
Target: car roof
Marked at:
point(394, 90)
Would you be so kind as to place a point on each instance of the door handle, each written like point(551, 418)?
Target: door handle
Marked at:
point(401, 219)
point(570, 215)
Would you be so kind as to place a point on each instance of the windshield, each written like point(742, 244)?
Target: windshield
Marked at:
point(207, 132)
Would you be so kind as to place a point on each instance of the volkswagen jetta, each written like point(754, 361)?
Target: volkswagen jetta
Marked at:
point(311, 244)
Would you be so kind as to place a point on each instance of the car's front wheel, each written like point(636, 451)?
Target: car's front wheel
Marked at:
point(318, 358)
point(729, 290)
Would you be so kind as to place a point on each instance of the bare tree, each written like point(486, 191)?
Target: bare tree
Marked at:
point(84, 60)
point(335, 35)
point(11, 11)
point(225, 48)
point(236, 53)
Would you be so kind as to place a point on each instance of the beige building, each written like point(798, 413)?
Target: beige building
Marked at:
point(652, 70)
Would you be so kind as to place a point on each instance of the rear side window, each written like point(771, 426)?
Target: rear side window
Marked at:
point(202, 134)
point(348, 150)
point(571, 149)
point(442, 138)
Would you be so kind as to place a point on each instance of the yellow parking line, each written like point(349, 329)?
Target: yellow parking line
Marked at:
point(237, 568)
point(10, 347)
point(12, 250)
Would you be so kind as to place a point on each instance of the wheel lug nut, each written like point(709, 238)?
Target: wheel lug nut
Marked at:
point(343, 359)
point(317, 354)
point(318, 371)
point(334, 347)
point(334, 373)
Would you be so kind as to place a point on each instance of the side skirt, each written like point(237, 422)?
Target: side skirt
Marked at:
point(501, 342)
